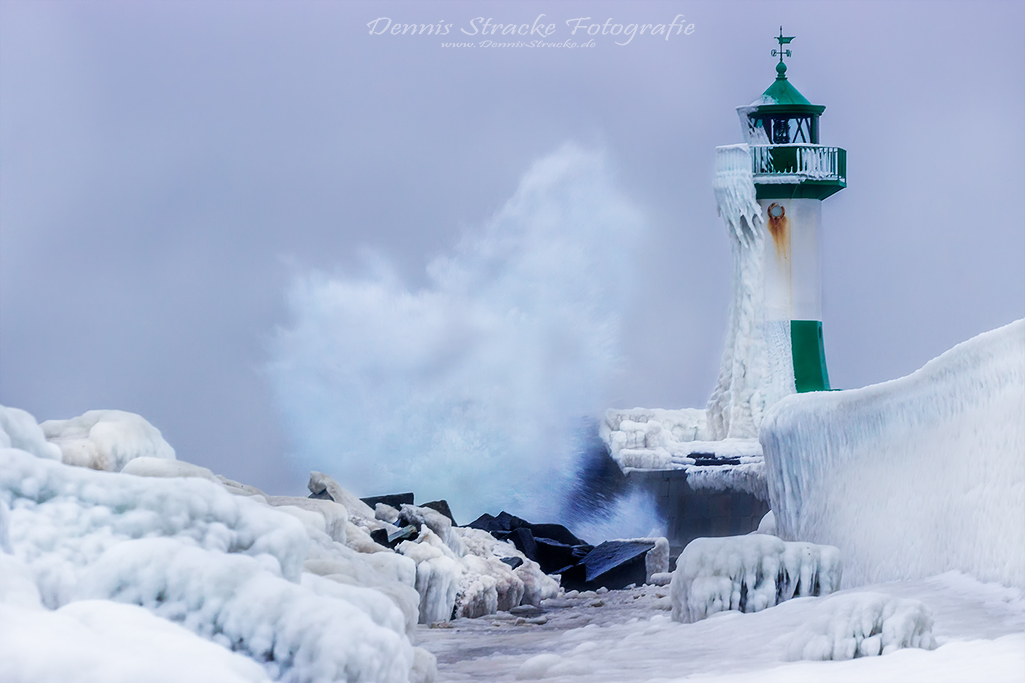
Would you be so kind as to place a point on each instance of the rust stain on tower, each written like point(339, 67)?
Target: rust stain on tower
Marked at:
point(779, 228)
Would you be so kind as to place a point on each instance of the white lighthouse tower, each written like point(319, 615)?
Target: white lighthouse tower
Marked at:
point(770, 192)
point(793, 174)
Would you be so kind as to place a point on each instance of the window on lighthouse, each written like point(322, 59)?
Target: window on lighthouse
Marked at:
point(784, 130)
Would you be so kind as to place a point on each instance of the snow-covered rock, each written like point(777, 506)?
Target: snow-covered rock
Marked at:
point(438, 575)
point(18, 429)
point(146, 466)
point(862, 625)
point(748, 574)
point(217, 574)
point(106, 439)
point(656, 560)
point(912, 477)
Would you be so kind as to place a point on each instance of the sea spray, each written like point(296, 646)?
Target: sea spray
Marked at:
point(472, 387)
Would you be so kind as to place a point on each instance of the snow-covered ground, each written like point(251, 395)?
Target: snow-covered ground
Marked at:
point(628, 636)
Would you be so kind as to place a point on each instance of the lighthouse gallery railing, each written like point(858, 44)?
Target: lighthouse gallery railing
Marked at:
point(812, 162)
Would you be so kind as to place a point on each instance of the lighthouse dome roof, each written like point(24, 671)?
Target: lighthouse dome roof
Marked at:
point(782, 98)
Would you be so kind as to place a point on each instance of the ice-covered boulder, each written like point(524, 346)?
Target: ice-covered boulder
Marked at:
point(436, 522)
point(18, 429)
point(749, 574)
point(438, 575)
point(146, 466)
point(912, 477)
point(862, 625)
point(226, 568)
point(106, 439)
point(528, 585)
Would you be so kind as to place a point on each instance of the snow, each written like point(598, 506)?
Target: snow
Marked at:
point(915, 476)
point(749, 573)
point(106, 439)
point(643, 438)
point(97, 641)
point(18, 429)
point(863, 625)
point(628, 637)
point(145, 466)
point(767, 525)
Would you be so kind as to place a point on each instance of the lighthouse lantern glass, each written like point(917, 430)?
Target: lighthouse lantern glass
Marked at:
point(788, 129)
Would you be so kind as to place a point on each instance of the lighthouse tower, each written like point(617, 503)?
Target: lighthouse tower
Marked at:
point(769, 191)
point(792, 175)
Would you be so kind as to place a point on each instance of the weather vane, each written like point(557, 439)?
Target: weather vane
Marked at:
point(783, 40)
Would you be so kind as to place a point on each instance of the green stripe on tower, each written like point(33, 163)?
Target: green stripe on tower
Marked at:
point(809, 356)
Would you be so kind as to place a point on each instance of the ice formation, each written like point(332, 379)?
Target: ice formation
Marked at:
point(225, 567)
point(912, 477)
point(660, 439)
point(254, 587)
point(106, 439)
point(862, 625)
point(756, 369)
point(749, 574)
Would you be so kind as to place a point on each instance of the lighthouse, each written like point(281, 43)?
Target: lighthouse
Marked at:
point(792, 175)
point(769, 191)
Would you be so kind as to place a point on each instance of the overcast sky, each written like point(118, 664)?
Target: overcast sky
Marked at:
point(169, 169)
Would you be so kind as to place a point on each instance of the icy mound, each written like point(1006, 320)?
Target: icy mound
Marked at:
point(226, 568)
point(18, 429)
point(749, 574)
point(913, 477)
point(96, 641)
point(106, 439)
point(863, 625)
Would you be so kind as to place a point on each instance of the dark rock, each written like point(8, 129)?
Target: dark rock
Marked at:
point(484, 522)
point(556, 532)
point(616, 564)
point(507, 522)
point(523, 540)
point(513, 562)
point(573, 577)
point(394, 499)
point(380, 537)
point(442, 507)
point(552, 555)
point(321, 495)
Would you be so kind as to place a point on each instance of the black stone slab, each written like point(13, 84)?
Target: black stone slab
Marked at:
point(523, 540)
point(556, 532)
point(616, 564)
point(380, 537)
point(442, 507)
point(394, 499)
